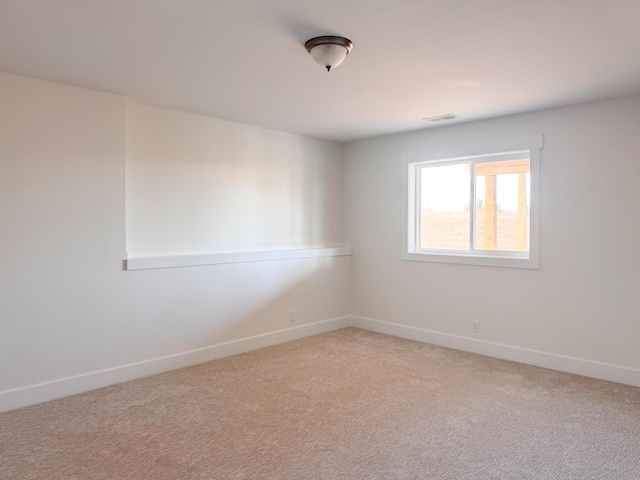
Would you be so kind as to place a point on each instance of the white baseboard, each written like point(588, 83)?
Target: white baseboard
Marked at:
point(578, 366)
point(32, 394)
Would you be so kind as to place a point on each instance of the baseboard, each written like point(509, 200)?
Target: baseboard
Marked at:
point(578, 366)
point(33, 394)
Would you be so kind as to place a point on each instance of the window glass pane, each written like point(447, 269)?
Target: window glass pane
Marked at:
point(502, 205)
point(444, 207)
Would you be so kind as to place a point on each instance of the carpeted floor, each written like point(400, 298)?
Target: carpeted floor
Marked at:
point(344, 405)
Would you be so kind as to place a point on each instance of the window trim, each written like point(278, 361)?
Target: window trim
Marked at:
point(411, 162)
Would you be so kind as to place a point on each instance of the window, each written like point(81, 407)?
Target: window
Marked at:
point(476, 204)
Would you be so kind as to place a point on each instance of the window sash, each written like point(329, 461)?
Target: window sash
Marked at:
point(472, 161)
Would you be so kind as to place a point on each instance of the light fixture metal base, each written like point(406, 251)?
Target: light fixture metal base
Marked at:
point(343, 42)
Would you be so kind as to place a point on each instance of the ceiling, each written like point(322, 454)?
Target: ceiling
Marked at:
point(245, 60)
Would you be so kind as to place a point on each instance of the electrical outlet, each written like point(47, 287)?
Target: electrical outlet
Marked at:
point(475, 326)
point(292, 316)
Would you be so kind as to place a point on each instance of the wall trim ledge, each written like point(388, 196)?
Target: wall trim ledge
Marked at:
point(136, 261)
point(43, 392)
point(552, 361)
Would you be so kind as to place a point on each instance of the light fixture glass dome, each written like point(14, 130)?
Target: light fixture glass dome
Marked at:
point(329, 52)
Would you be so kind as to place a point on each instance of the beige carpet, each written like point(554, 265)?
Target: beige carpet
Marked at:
point(344, 405)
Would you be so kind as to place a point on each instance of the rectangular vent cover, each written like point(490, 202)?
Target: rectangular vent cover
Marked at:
point(442, 118)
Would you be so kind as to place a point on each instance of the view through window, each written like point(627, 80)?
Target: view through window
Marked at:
point(480, 205)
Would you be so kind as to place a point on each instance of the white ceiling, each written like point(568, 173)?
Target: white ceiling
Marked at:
point(244, 60)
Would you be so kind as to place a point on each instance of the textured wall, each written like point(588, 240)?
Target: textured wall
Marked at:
point(195, 182)
point(67, 307)
point(582, 302)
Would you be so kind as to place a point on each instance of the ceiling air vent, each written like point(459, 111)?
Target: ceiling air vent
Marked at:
point(442, 118)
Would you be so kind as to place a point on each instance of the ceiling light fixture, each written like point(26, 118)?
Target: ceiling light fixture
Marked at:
point(329, 52)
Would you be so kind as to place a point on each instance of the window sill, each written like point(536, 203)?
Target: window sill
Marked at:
point(141, 261)
point(483, 260)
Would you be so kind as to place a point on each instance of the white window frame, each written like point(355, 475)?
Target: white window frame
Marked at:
point(493, 150)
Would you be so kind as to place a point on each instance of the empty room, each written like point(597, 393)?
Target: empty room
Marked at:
point(278, 239)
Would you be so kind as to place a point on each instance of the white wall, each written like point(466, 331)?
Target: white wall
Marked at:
point(71, 316)
point(67, 307)
point(583, 302)
point(198, 183)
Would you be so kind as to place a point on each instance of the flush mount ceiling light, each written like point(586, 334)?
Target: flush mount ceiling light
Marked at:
point(329, 52)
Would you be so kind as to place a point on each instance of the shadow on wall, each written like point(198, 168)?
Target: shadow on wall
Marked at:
point(196, 307)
